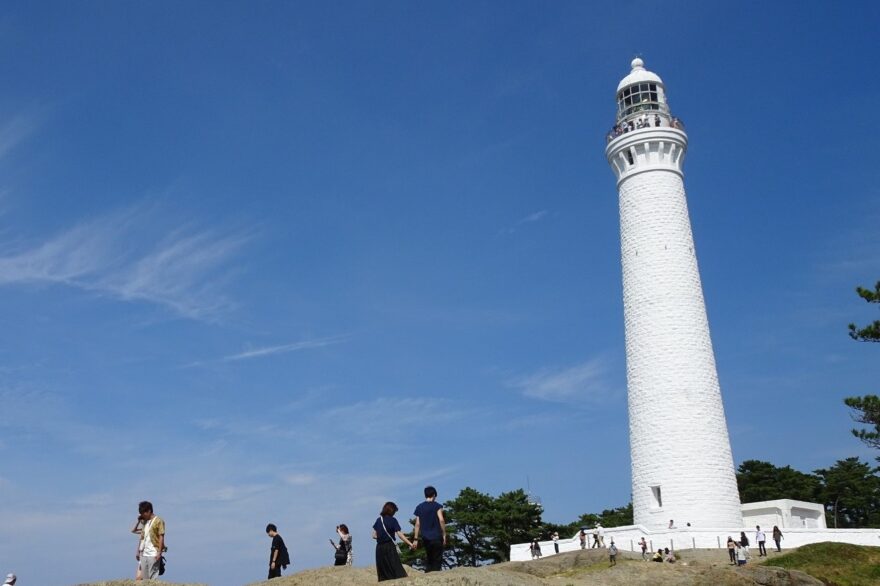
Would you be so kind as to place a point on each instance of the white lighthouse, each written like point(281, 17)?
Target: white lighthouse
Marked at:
point(682, 468)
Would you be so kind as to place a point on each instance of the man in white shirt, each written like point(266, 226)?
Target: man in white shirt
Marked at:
point(760, 538)
point(152, 542)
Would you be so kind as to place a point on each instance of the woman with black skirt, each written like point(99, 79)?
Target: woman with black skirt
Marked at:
point(386, 527)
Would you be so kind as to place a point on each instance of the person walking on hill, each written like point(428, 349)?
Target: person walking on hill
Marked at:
point(535, 549)
point(731, 550)
point(385, 530)
point(761, 539)
point(777, 537)
point(152, 545)
point(744, 541)
point(583, 538)
point(742, 554)
point(555, 538)
point(343, 556)
point(644, 546)
point(279, 557)
point(431, 524)
point(600, 531)
point(612, 553)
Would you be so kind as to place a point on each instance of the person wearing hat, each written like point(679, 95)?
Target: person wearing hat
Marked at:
point(10, 580)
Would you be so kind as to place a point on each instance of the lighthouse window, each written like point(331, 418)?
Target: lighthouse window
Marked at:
point(657, 501)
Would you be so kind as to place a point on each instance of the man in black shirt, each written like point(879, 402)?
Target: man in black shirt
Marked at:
point(432, 525)
point(278, 556)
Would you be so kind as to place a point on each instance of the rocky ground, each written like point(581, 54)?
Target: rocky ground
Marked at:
point(580, 568)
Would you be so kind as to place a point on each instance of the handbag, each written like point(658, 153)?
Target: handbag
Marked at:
point(396, 545)
point(342, 550)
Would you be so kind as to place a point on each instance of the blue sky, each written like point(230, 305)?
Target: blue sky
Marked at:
point(280, 262)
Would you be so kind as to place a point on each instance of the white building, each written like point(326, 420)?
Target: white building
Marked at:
point(785, 514)
point(682, 468)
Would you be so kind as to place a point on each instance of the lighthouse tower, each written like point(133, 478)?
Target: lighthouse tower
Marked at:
point(682, 468)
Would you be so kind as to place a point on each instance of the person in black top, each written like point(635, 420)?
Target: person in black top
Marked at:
point(386, 527)
point(432, 525)
point(278, 556)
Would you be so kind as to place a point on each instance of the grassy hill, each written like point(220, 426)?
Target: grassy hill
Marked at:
point(836, 564)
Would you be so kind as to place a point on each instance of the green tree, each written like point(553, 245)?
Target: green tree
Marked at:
point(762, 481)
point(468, 522)
point(866, 409)
point(617, 517)
point(514, 520)
point(871, 332)
point(851, 494)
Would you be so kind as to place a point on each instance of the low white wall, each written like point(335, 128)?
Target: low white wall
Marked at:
point(627, 538)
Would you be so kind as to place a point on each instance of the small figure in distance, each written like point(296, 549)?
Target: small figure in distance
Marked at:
point(10, 580)
point(731, 550)
point(386, 527)
point(431, 524)
point(658, 557)
point(742, 554)
point(777, 537)
point(555, 538)
point(343, 556)
point(595, 536)
point(644, 546)
point(670, 556)
point(601, 532)
point(744, 541)
point(583, 537)
point(671, 524)
point(279, 557)
point(535, 549)
point(152, 543)
point(612, 553)
point(761, 539)
point(138, 530)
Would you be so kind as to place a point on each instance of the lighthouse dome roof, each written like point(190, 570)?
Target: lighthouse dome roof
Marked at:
point(638, 75)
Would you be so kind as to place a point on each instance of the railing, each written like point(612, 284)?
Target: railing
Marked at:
point(643, 121)
point(627, 539)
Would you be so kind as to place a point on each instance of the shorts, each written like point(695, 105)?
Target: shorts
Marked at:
point(149, 567)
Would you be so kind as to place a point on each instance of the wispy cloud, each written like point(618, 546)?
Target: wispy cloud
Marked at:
point(14, 130)
point(119, 255)
point(279, 349)
point(294, 347)
point(586, 380)
point(530, 219)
